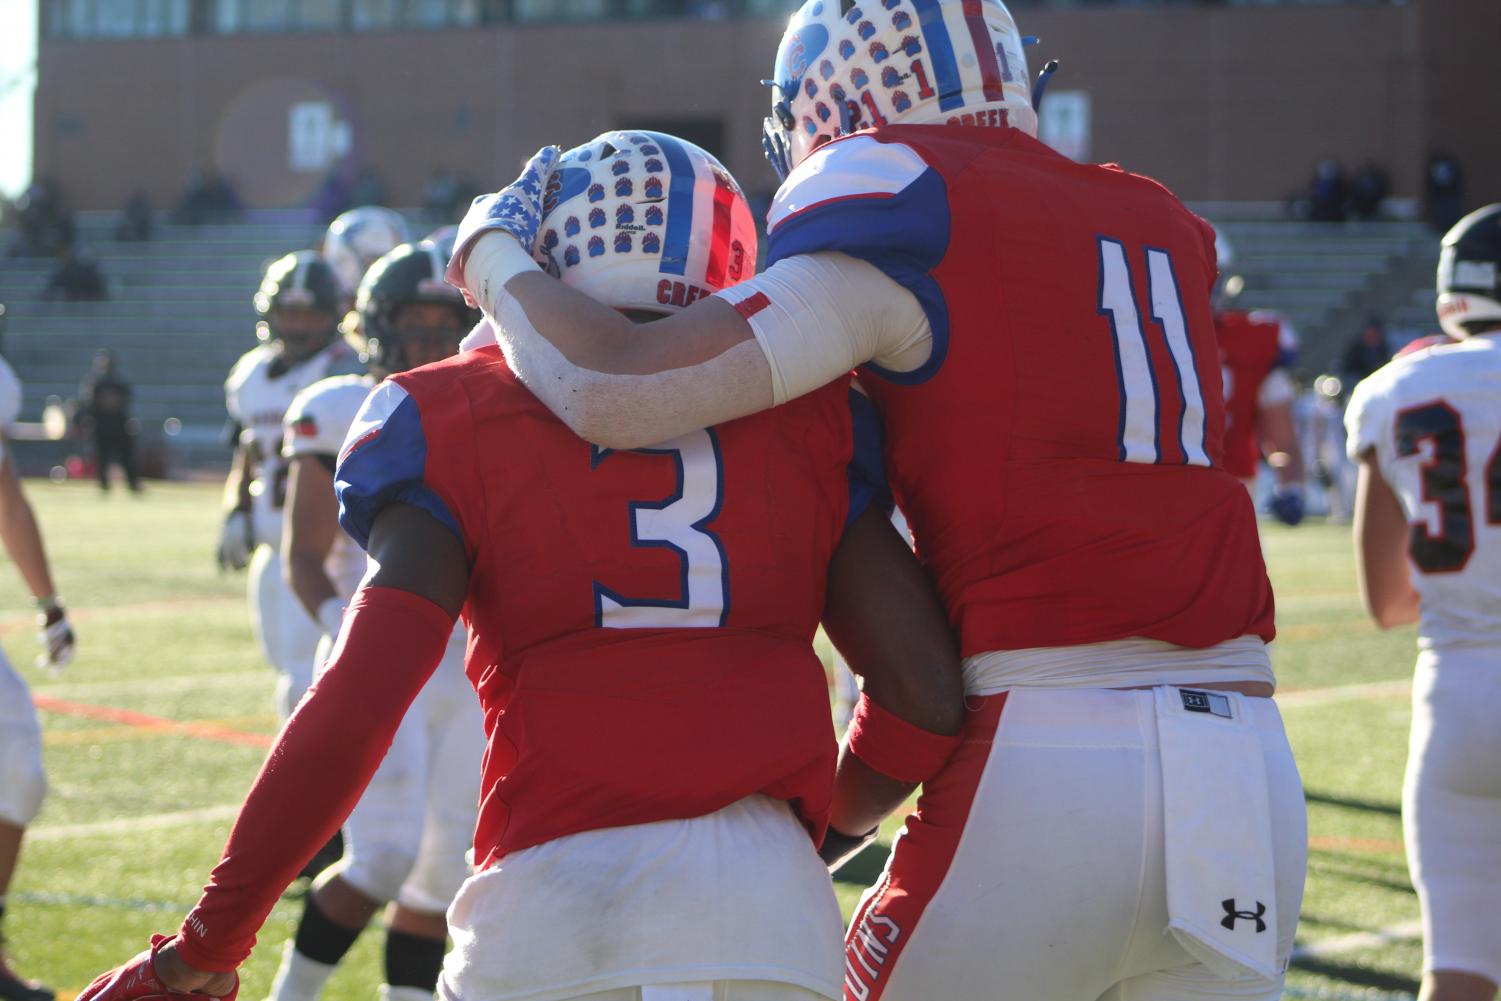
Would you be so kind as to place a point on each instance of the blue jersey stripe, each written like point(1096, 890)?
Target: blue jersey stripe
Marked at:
point(935, 36)
point(680, 186)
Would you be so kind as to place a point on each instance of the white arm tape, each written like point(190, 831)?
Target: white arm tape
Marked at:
point(828, 313)
point(494, 259)
point(632, 411)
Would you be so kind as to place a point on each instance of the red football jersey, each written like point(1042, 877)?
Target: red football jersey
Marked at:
point(640, 622)
point(1059, 455)
point(1251, 346)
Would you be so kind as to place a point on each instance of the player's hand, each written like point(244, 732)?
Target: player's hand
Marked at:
point(1287, 504)
point(56, 638)
point(515, 209)
point(236, 541)
point(158, 973)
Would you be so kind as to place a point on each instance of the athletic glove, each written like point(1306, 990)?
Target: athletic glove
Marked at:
point(838, 847)
point(137, 981)
point(236, 541)
point(1287, 504)
point(515, 209)
point(56, 638)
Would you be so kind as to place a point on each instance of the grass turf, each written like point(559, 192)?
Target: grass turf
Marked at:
point(136, 817)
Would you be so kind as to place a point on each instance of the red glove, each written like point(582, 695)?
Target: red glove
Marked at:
point(137, 981)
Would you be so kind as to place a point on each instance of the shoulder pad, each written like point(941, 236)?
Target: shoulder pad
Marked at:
point(857, 167)
point(876, 201)
point(320, 416)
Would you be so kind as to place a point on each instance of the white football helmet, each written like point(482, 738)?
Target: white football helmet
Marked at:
point(844, 66)
point(358, 237)
point(643, 220)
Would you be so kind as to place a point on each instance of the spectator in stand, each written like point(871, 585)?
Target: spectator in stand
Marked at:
point(441, 198)
point(332, 197)
point(1326, 195)
point(76, 278)
point(46, 225)
point(369, 188)
point(1366, 351)
point(1368, 189)
point(104, 412)
point(208, 197)
point(134, 224)
point(1445, 189)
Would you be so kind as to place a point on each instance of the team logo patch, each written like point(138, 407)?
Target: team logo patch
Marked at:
point(305, 427)
point(1232, 915)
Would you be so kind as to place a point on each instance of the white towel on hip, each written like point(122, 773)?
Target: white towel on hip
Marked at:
point(1217, 832)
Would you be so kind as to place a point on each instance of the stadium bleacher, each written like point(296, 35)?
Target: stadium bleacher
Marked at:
point(180, 313)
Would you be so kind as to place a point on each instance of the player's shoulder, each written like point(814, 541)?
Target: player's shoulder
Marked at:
point(340, 358)
point(333, 393)
point(857, 166)
point(256, 360)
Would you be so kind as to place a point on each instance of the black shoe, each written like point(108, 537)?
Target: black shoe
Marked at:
point(14, 988)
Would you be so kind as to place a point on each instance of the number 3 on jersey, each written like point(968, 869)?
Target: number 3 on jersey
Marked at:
point(678, 522)
point(1139, 432)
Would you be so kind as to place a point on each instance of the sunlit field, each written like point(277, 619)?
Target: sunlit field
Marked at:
point(155, 731)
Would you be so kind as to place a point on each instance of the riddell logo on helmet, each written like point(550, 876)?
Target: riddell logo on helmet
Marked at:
point(671, 293)
point(989, 117)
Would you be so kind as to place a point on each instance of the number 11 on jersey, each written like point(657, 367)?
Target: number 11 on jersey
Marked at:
point(1140, 384)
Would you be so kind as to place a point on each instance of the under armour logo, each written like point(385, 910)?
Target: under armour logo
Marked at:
point(1231, 914)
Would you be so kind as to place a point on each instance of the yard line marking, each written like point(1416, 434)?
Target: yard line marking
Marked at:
point(1368, 846)
point(125, 717)
point(119, 734)
point(85, 900)
point(175, 683)
point(125, 825)
point(14, 622)
point(1339, 693)
point(1404, 932)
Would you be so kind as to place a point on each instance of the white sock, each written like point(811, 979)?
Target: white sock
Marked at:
point(299, 978)
point(389, 993)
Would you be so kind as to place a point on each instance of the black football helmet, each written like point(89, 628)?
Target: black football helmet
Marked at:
point(301, 279)
point(410, 274)
point(1469, 274)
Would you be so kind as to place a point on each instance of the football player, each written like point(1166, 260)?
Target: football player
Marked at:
point(405, 840)
point(357, 239)
point(1039, 339)
point(660, 759)
point(1426, 430)
point(22, 781)
point(299, 305)
point(1257, 348)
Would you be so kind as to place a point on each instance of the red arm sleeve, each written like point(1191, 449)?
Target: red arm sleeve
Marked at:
point(324, 757)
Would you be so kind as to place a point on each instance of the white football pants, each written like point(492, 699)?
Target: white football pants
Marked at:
point(288, 636)
point(1035, 869)
point(23, 784)
point(1451, 808)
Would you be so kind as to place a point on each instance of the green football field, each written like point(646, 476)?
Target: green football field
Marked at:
point(155, 731)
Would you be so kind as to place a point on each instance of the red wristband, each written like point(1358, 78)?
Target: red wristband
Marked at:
point(894, 747)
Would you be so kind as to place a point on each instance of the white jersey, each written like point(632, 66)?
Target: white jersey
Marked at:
point(257, 394)
point(316, 424)
point(1434, 420)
